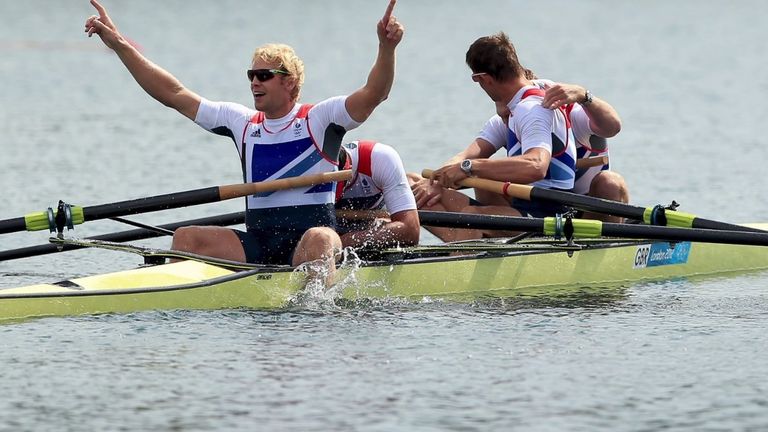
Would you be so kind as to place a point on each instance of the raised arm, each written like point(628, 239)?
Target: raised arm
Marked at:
point(363, 101)
point(156, 81)
point(603, 118)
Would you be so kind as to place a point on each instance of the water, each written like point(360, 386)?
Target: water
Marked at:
point(677, 355)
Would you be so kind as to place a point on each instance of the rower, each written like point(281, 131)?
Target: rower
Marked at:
point(274, 139)
point(593, 120)
point(539, 145)
point(378, 181)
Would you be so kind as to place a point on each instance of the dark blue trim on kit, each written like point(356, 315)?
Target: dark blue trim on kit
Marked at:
point(224, 131)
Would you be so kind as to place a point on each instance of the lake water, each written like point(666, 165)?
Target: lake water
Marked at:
point(686, 77)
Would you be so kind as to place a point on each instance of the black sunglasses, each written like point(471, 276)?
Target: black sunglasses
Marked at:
point(264, 74)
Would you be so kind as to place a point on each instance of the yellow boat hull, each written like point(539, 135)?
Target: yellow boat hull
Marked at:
point(534, 272)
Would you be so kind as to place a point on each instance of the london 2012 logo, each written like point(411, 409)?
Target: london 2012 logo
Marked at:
point(661, 253)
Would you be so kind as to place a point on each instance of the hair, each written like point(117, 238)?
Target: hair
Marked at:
point(286, 59)
point(529, 74)
point(496, 56)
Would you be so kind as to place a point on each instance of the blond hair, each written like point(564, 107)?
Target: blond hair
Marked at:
point(286, 59)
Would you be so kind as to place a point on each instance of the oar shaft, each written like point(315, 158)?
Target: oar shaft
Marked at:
point(245, 189)
point(39, 221)
point(478, 221)
point(123, 236)
point(594, 204)
point(590, 162)
point(586, 228)
point(685, 234)
point(12, 225)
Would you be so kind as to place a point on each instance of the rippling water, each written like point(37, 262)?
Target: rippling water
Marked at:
point(677, 355)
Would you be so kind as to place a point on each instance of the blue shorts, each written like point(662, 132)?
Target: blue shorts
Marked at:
point(273, 233)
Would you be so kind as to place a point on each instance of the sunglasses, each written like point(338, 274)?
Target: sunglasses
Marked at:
point(264, 74)
point(475, 76)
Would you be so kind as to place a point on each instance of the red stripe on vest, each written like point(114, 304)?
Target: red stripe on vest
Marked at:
point(340, 186)
point(365, 148)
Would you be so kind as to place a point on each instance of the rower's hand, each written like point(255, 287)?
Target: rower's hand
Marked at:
point(426, 193)
point(389, 30)
point(448, 176)
point(103, 26)
point(559, 94)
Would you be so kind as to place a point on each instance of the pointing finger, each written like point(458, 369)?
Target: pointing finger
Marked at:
point(99, 8)
point(387, 13)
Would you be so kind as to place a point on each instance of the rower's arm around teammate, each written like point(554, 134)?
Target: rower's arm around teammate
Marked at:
point(593, 120)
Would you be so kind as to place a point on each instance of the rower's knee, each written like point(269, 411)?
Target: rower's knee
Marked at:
point(190, 239)
point(609, 185)
point(317, 243)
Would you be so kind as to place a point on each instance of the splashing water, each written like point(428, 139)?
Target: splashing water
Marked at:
point(318, 293)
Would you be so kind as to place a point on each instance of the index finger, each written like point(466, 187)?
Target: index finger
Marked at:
point(387, 13)
point(99, 8)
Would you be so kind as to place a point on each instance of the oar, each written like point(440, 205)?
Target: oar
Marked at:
point(590, 162)
point(124, 236)
point(588, 228)
point(44, 220)
point(649, 215)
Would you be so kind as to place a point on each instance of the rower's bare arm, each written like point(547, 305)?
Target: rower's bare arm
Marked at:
point(478, 148)
point(156, 81)
point(403, 229)
point(363, 101)
point(603, 118)
point(527, 168)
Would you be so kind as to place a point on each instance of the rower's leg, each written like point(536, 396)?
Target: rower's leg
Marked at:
point(451, 201)
point(213, 241)
point(491, 198)
point(608, 185)
point(473, 234)
point(318, 243)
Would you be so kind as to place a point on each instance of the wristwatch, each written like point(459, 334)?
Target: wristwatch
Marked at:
point(587, 98)
point(466, 166)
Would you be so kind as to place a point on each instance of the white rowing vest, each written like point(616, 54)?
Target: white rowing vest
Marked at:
point(288, 152)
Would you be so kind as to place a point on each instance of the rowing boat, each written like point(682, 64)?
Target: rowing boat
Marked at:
point(529, 267)
point(568, 253)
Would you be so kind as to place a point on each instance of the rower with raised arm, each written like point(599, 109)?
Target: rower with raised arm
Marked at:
point(378, 182)
point(279, 138)
point(593, 120)
point(539, 144)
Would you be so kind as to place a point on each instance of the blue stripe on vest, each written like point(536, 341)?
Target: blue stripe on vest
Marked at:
point(555, 171)
point(267, 159)
point(563, 173)
point(302, 167)
point(323, 187)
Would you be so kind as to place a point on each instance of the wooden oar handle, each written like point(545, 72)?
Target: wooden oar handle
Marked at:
point(245, 189)
point(591, 162)
point(503, 188)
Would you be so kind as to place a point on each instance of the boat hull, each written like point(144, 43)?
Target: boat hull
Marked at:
point(531, 270)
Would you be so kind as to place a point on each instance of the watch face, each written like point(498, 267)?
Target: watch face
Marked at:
point(466, 165)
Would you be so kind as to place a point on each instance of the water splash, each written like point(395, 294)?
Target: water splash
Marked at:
point(321, 294)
